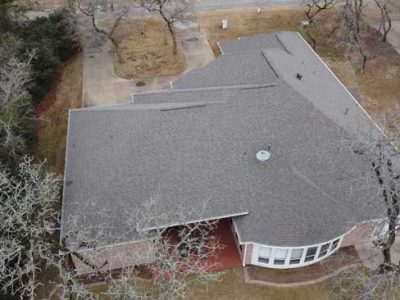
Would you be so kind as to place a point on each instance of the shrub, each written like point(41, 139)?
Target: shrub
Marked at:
point(54, 40)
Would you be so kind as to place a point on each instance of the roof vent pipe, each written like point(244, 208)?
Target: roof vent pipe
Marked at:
point(263, 155)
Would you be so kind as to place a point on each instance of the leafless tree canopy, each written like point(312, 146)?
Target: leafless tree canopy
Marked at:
point(114, 11)
point(385, 163)
point(15, 76)
point(383, 153)
point(171, 255)
point(177, 252)
point(314, 8)
point(170, 11)
point(351, 22)
point(28, 212)
point(385, 8)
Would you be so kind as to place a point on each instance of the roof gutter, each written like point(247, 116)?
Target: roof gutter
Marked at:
point(197, 221)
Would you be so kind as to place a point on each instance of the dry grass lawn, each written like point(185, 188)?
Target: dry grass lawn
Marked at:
point(232, 287)
point(65, 94)
point(146, 46)
point(243, 22)
point(378, 86)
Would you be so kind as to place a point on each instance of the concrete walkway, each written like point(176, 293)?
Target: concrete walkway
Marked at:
point(101, 86)
point(372, 16)
point(394, 34)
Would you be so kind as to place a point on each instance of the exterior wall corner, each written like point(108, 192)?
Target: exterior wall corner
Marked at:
point(249, 254)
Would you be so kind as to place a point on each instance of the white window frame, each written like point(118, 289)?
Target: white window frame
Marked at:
point(264, 257)
point(286, 264)
point(300, 259)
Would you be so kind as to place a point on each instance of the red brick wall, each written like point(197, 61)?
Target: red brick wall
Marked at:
point(236, 240)
point(249, 253)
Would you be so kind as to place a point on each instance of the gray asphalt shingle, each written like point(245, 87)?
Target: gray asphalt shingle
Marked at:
point(195, 143)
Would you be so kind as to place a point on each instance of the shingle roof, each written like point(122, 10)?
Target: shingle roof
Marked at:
point(252, 43)
point(198, 143)
point(248, 68)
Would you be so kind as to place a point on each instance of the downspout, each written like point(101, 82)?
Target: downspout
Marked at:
point(244, 255)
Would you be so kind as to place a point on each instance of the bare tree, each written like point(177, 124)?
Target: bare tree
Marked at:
point(179, 251)
point(385, 7)
point(388, 180)
point(360, 284)
point(384, 156)
point(314, 8)
point(15, 76)
point(116, 13)
point(28, 245)
point(385, 163)
point(351, 21)
point(170, 256)
point(170, 11)
point(28, 212)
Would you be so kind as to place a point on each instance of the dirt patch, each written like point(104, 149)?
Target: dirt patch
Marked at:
point(146, 47)
point(343, 257)
point(378, 86)
point(52, 111)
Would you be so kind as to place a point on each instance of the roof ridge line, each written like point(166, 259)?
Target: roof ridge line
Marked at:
point(184, 107)
point(269, 63)
point(282, 44)
point(98, 107)
point(227, 87)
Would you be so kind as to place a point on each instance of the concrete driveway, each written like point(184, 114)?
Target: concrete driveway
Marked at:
point(101, 86)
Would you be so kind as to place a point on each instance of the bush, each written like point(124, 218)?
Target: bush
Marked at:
point(53, 39)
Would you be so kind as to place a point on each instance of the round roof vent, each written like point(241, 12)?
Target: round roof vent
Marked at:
point(263, 155)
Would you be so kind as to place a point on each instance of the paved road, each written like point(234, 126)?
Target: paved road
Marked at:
point(232, 4)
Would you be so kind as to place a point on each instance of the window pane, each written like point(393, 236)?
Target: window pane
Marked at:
point(310, 254)
point(263, 260)
point(281, 254)
point(264, 252)
point(279, 261)
point(325, 247)
point(311, 251)
point(296, 253)
point(309, 258)
point(294, 261)
point(324, 250)
point(322, 253)
point(335, 244)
